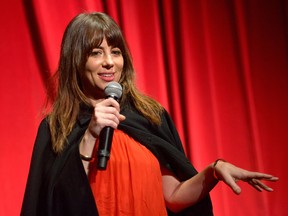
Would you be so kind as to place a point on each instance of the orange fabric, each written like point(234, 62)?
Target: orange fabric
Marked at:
point(132, 182)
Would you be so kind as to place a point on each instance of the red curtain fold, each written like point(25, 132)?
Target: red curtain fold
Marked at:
point(219, 67)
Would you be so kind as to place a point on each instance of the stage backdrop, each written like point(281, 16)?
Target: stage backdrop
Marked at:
point(219, 67)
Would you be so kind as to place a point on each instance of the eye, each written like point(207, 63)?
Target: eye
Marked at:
point(96, 52)
point(116, 52)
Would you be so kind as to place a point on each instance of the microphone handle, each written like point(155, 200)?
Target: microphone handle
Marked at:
point(105, 142)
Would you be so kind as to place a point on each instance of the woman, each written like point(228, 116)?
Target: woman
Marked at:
point(147, 173)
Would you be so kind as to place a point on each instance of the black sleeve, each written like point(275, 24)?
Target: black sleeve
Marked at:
point(42, 159)
point(57, 184)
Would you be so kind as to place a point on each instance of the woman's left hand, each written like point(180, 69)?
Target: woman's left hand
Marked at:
point(230, 174)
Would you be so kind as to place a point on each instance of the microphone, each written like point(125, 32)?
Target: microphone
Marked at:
point(112, 90)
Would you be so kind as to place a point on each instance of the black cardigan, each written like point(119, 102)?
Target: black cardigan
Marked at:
point(57, 184)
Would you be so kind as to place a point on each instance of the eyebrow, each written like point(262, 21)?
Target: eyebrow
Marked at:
point(102, 48)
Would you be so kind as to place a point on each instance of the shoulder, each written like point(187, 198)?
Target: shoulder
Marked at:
point(43, 130)
point(43, 125)
point(42, 143)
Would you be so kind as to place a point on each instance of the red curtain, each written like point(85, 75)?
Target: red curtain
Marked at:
point(219, 67)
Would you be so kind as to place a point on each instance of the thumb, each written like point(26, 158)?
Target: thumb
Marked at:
point(232, 184)
point(121, 117)
point(236, 189)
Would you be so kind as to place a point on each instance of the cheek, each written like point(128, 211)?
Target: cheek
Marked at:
point(91, 65)
point(119, 74)
point(90, 70)
point(118, 77)
point(86, 79)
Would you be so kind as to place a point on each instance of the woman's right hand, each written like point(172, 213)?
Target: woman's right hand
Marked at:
point(106, 113)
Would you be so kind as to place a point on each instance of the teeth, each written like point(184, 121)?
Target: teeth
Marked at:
point(107, 75)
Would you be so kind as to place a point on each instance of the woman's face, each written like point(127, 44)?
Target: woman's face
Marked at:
point(105, 64)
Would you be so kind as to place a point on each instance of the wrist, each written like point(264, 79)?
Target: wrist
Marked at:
point(214, 167)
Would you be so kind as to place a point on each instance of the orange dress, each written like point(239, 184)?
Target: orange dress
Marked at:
point(132, 183)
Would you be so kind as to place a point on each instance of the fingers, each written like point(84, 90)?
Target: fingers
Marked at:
point(236, 189)
point(258, 175)
point(231, 182)
point(254, 179)
point(107, 118)
point(230, 174)
point(107, 113)
point(122, 117)
point(267, 177)
point(111, 106)
point(110, 102)
point(255, 183)
point(258, 185)
point(273, 179)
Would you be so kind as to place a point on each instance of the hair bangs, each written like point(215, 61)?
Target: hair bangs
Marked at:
point(93, 38)
point(114, 38)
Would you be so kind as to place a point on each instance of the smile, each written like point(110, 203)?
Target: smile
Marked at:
point(107, 75)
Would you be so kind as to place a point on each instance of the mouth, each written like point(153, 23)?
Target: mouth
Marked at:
point(106, 76)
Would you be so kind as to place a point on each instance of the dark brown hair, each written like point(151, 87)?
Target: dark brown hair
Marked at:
point(85, 32)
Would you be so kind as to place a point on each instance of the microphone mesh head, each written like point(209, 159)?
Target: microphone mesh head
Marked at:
point(113, 89)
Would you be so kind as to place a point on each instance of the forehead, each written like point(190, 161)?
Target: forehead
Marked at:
point(101, 39)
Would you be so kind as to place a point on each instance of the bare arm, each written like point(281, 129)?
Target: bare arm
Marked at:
point(180, 195)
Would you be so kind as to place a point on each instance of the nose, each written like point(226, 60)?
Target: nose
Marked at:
point(108, 61)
